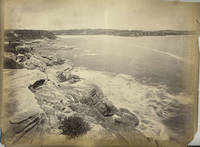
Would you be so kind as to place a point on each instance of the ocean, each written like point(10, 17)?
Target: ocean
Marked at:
point(152, 60)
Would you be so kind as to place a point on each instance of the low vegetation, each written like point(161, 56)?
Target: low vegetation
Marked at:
point(74, 126)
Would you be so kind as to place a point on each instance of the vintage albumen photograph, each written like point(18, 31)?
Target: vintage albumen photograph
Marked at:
point(99, 72)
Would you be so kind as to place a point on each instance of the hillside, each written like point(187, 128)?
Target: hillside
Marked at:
point(28, 34)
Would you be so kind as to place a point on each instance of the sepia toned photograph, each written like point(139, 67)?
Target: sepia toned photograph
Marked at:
point(100, 72)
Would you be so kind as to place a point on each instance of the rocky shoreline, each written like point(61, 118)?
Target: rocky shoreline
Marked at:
point(58, 94)
point(47, 97)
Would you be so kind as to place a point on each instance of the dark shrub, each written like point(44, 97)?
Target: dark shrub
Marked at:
point(74, 126)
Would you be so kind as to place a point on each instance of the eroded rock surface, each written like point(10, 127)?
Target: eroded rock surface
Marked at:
point(52, 93)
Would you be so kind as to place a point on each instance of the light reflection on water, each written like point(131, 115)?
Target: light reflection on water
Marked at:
point(151, 60)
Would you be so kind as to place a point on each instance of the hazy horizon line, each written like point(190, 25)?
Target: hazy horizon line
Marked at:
point(98, 29)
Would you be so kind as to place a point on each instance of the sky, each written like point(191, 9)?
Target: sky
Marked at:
point(108, 14)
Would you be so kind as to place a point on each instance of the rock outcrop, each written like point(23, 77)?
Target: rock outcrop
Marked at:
point(27, 123)
point(24, 117)
point(51, 94)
